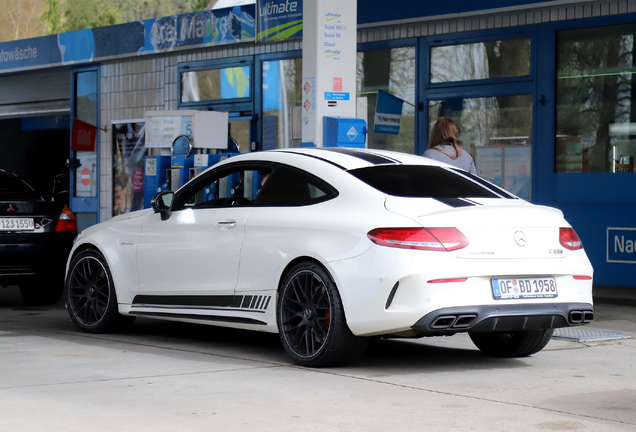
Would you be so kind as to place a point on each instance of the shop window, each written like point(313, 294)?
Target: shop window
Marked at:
point(391, 70)
point(596, 100)
point(483, 60)
point(220, 84)
point(497, 132)
point(282, 103)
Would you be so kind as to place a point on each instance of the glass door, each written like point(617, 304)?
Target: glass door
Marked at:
point(239, 133)
point(84, 165)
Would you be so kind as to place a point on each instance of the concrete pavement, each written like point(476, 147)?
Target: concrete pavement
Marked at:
point(163, 376)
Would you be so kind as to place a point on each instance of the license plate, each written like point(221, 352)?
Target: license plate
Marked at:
point(524, 288)
point(16, 224)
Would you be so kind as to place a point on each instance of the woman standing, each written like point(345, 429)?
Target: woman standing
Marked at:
point(445, 146)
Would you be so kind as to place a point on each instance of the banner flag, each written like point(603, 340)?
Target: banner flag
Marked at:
point(388, 114)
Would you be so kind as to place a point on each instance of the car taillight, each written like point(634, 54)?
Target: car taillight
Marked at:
point(433, 239)
point(67, 221)
point(448, 280)
point(569, 239)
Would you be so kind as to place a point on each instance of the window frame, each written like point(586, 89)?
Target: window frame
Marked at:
point(258, 84)
point(521, 32)
point(414, 42)
point(552, 188)
point(332, 192)
point(180, 198)
point(234, 104)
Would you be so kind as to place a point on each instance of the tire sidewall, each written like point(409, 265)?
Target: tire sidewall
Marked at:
point(335, 317)
point(111, 312)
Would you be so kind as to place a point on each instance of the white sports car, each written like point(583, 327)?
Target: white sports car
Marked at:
point(336, 246)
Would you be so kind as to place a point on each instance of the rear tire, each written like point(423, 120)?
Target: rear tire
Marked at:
point(311, 320)
point(39, 291)
point(512, 344)
point(91, 299)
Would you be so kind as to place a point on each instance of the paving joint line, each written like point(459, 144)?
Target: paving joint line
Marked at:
point(96, 337)
point(135, 378)
point(471, 397)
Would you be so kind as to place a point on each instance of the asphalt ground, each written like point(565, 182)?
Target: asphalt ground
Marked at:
point(166, 376)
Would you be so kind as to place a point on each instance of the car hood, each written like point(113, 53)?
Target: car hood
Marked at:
point(492, 225)
point(132, 215)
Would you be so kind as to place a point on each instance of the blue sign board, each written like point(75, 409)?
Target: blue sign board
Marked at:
point(279, 19)
point(388, 114)
point(336, 96)
point(197, 29)
point(620, 245)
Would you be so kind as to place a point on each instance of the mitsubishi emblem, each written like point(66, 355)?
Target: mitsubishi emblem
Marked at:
point(520, 238)
point(10, 208)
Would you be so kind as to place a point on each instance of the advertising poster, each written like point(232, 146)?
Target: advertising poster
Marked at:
point(517, 172)
point(128, 166)
point(488, 163)
point(279, 19)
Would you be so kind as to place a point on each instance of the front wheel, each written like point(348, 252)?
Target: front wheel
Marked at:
point(311, 319)
point(512, 344)
point(91, 299)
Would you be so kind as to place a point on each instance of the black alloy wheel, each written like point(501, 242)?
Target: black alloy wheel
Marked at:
point(91, 298)
point(311, 319)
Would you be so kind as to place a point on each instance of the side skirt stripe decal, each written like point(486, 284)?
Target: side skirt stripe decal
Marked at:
point(258, 303)
point(201, 317)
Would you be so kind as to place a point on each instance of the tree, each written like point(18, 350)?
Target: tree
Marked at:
point(19, 19)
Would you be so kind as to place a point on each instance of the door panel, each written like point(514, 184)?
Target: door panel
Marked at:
point(194, 252)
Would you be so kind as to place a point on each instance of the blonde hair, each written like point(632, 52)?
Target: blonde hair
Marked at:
point(445, 132)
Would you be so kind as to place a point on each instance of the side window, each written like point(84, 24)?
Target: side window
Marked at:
point(231, 187)
point(289, 187)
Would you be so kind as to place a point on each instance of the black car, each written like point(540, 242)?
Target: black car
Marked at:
point(36, 237)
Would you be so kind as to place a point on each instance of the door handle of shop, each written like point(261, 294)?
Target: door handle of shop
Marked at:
point(226, 224)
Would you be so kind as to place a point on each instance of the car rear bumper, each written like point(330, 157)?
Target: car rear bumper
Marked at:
point(510, 317)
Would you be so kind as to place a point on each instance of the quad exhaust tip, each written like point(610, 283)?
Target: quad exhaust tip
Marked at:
point(453, 321)
point(581, 317)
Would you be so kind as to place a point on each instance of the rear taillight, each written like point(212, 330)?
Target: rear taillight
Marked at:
point(569, 239)
point(433, 239)
point(66, 222)
point(448, 280)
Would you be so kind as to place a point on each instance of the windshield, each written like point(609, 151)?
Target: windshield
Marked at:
point(13, 188)
point(423, 181)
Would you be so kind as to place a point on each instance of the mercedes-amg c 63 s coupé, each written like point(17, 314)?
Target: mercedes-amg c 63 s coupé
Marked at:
point(331, 246)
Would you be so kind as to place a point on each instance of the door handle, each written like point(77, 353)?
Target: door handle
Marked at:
point(226, 224)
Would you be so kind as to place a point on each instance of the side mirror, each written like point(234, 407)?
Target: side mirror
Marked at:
point(162, 203)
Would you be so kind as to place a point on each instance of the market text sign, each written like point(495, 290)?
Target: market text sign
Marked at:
point(620, 245)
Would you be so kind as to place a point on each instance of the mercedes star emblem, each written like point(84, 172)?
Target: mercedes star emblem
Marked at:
point(520, 238)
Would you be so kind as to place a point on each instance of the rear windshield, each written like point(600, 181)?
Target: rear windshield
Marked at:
point(12, 188)
point(422, 181)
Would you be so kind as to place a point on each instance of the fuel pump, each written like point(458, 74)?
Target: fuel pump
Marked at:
point(183, 139)
point(155, 172)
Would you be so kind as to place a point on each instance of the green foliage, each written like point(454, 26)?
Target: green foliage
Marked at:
point(70, 15)
point(198, 5)
point(51, 17)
